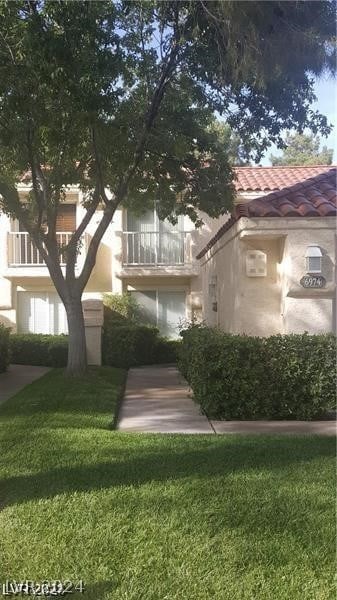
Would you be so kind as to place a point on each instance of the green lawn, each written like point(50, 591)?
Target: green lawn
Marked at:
point(159, 517)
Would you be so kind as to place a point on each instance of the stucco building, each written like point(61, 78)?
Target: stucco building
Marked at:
point(271, 268)
point(151, 259)
point(178, 273)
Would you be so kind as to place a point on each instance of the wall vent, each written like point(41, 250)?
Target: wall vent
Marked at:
point(256, 263)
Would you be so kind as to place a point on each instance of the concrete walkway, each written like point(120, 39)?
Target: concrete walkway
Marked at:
point(158, 400)
point(276, 427)
point(16, 378)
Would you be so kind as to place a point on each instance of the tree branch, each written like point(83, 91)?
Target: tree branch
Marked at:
point(152, 112)
point(90, 260)
point(85, 221)
point(12, 199)
point(71, 249)
point(111, 206)
point(101, 187)
point(37, 191)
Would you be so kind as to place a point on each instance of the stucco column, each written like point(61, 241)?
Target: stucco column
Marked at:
point(93, 322)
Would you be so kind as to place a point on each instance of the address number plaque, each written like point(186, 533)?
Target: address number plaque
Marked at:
point(313, 281)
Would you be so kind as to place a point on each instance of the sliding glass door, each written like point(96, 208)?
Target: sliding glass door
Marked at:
point(142, 238)
point(171, 312)
point(163, 308)
point(41, 312)
point(154, 242)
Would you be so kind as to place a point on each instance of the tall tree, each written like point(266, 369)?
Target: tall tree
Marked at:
point(119, 97)
point(303, 149)
point(236, 153)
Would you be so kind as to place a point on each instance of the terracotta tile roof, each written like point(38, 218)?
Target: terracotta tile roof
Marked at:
point(312, 197)
point(265, 179)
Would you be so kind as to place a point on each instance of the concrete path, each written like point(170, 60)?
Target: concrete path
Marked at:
point(16, 378)
point(157, 399)
point(276, 427)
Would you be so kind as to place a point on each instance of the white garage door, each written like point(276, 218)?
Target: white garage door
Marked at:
point(41, 312)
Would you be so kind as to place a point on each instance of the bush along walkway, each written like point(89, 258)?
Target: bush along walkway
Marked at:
point(157, 399)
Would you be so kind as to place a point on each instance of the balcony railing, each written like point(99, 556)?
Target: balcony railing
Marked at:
point(155, 248)
point(22, 252)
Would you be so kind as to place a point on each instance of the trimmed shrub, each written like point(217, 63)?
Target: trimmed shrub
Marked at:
point(4, 347)
point(38, 349)
point(58, 352)
point(120, 309)
point(166, 351)
point(303, 369)
point(122, 346)
point(129, 345)
point(243, 377)
point(127, 341)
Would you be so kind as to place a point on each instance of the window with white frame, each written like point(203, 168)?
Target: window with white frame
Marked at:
point(313, 257)
point(41, 312)
point(164, 309)
point(150, 241)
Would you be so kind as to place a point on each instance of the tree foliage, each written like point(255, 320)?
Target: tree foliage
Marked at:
point(303, 149)
point(119, 98)
point(231, 142)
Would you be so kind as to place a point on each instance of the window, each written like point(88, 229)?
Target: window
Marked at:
point(66, 218)
point(313, 258)
point(41, 312)
point(151, 241)
point(164, 309)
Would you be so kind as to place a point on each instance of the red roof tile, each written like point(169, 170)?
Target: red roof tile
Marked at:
point(315, 196)
point(265, 179)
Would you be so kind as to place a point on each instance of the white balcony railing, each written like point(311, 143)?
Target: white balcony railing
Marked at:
point(155, 248)
point(22, 252)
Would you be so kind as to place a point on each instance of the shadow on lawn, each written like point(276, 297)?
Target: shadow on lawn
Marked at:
point(52, 394)
point(220, 459)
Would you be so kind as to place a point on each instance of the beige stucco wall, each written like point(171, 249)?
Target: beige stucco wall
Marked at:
point(106, 275)
point(37, 279)
point(276, 303)
point(7, 311)
point(262, 306)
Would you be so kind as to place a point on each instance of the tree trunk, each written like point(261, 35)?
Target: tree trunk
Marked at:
point(77, 353)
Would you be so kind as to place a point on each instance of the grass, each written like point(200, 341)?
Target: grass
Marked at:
point(159, 517)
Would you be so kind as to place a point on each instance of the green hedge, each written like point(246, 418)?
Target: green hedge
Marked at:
point(129, 345)
point(127, 341)
point(4, 348)
point(166, 351)
point(120, 309)
point(38, 349)
point(122, 346)
point(242, 377)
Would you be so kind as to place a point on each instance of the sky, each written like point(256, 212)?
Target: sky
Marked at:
point(326, 92)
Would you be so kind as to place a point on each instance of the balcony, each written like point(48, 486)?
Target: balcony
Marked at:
point(156, 253)
point(23, 253)
point(154, 248)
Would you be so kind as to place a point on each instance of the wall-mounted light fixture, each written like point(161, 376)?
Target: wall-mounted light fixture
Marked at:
point(212, 285)
point(313, 259)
